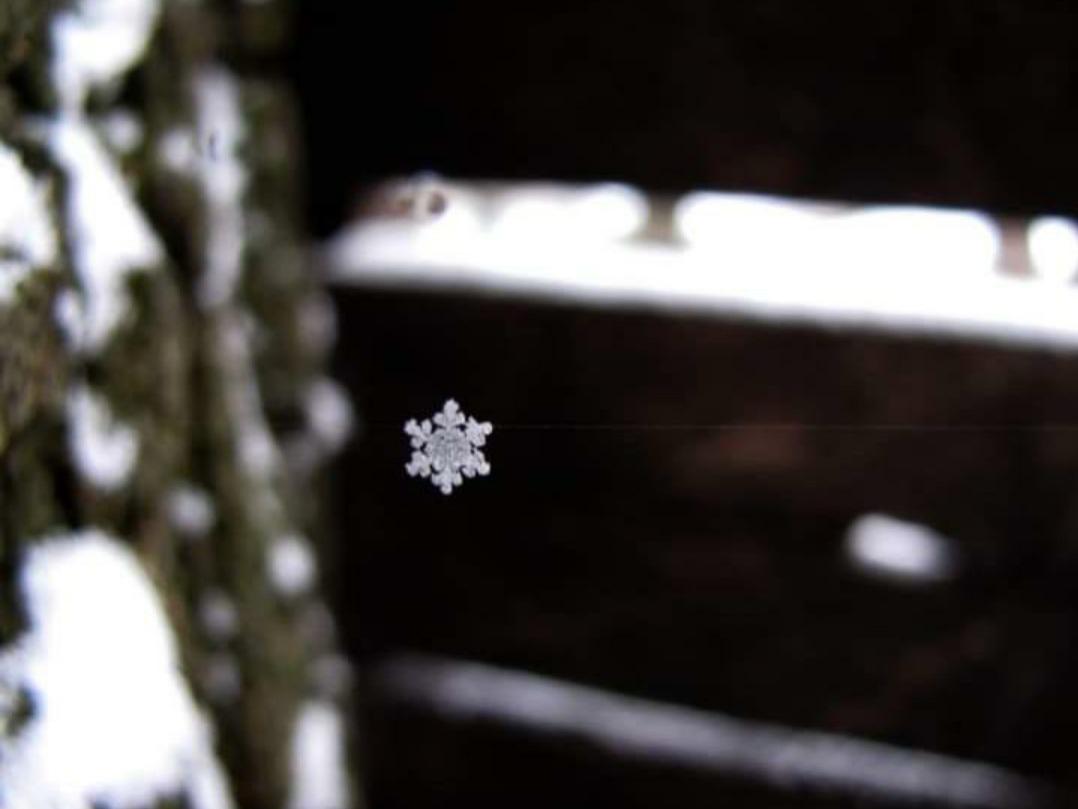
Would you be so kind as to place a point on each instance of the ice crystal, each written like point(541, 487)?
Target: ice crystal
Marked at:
point(449, 448)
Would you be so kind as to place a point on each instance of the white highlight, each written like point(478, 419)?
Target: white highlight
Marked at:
point(223, 179)
point(290, 565)
point(939, 244)
point(96, 41)
point(1053, 248)
point(122, 130)
point(191, 511)
point(114, 721)
point(749, 229)
point(899, 550)
point(176, 151)
point(103, 449)
point(255, 447)
point(329, 413)
point(607, 212)
point(545, 216)
point(27, 238)
point(110, 238)
point(785, 758)
point(319, 771)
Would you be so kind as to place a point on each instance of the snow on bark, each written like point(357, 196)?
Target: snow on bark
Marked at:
point(26, 234)
point(113, 720)
point(103, 450)
point(319, 778)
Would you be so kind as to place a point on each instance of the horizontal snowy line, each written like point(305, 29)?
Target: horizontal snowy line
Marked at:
point(784, 758)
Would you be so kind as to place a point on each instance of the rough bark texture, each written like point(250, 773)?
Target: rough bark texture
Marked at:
point(220, 382)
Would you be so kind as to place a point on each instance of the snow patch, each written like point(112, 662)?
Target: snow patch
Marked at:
point(103, 449)
point(110, 238)
point(223, 179)
point(114, 721)
point(319, 779)
point(191, 511)
point(122, 130)
point(329, 413)
point(27, 239)
point(255, 447)
point(97, 41)
point(176, 150)
point(899, 550)
point(291, 565)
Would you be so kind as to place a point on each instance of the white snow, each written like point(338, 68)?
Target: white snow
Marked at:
point(329, 413)
point(900, 550)
point(176, 150)
point(223, 179)
point(114, 721)
point(1053, 248)
point(319, 771)
point(850, 770)
point(290, 565)
point(26, 234)
point(894, 270)
point(255, 446)
point(96, 41)
point(103, 449)
point(110, 238)
point(122, 130)
point(191, 511)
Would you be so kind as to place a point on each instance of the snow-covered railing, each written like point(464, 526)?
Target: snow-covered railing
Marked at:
point(782, 758)
point(904, 270)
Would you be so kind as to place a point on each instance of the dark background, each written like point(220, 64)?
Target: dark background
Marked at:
point(939, 101)
point(701, 567)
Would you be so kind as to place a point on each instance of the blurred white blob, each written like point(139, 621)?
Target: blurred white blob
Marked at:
point(114, 722)
point(176, 150)
point(291, 565)
point(1053, 248)
point(103, 449)
point(329, 413)
point(910, 239)
point(218, 615)
point(122, 130)
point(844, 768)
point(319, 773)
point(899, 550)
point(190, 511)
point(26, 234)
point(607, 212)
point(749, 228)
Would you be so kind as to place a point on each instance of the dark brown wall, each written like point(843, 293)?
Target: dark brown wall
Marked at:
point(622, 542)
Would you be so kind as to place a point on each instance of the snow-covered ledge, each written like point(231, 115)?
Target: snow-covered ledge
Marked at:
point(901, 270)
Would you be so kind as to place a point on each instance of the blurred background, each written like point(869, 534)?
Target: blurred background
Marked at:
point(771, 307)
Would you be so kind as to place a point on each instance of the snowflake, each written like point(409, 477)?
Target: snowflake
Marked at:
point(449, 448)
